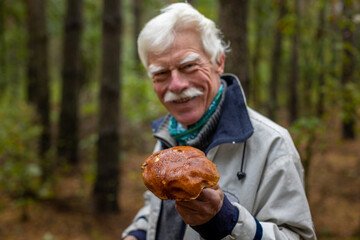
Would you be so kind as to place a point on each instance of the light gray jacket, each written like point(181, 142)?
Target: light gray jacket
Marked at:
point(272, 192)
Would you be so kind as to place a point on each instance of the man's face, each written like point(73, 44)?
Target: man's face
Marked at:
point(184, 79)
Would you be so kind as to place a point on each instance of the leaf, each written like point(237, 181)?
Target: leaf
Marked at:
point(33, 170)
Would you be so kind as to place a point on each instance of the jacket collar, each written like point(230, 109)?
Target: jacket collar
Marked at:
point(234, 124)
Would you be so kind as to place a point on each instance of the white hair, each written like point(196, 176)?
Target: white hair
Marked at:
point(159, 33)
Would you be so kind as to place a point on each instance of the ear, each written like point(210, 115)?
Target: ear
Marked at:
point(220, 64)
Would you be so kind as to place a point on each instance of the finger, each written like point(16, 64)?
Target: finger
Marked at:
point(208, 199)
point(188, 206)
point(208, 193)
point(205, 194)
point(190, 216)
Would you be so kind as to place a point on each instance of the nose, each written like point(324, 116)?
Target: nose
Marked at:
point(178, 82)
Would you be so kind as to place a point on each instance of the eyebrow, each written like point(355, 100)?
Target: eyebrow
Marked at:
point(153, 69)
point(191, 57)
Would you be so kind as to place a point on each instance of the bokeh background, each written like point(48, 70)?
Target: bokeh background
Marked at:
point(75, 107)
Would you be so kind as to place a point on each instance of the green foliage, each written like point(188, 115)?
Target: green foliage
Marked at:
point(13, 47)
point(90, 47)
point(350, 101)
point(55, 14)
point(208, 8)
point(287, 24)
point(307, 132)
point(140, 103)
point(20, 170)
point(304, 129)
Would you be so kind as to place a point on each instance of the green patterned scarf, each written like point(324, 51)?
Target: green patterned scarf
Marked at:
point(183, 135)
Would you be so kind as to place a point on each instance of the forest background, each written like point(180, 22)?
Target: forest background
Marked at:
point(75, 106)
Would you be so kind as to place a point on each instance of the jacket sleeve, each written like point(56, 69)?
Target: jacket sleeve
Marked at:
point(139, 225)
point(281, 210)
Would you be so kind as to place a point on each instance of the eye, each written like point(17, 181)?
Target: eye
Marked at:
point(161, 73)
point(160, 76)
point(188, 67)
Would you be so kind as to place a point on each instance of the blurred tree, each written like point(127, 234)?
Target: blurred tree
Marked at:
point(259, 18)
point(106, 184)
point(334, 19)
point(233, 23)
point(319, 38)
point(67, 143)
point(348, 67)
point(138, 12)
point(307, 132)
point(294, 68)
point(34, 36)
point(37, 72)
point(275, 65)
point(2, 46)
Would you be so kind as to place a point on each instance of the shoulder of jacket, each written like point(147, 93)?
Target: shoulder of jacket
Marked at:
point(261, 122)
point(272, 135)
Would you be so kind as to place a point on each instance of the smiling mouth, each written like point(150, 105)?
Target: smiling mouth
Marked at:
point(183, 100)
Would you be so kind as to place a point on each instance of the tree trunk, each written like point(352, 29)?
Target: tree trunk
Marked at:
point(106, 185)
point(2, 48)
point(294, 73)
point(276, 63)
point(259, 17)
point(348, 67)
point(38, 79)
point(233, 23)
point(321, 74)
point(33, 39)
point(138, 11)
point(68, 126)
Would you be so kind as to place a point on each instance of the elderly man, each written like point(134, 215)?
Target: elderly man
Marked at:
point(260, 194)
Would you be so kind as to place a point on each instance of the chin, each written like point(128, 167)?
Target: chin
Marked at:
point(187, 114)
point(186, 121)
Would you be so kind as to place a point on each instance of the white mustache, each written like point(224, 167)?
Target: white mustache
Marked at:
point(188, 93)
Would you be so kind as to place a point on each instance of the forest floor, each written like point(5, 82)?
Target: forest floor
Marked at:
point(334, 197)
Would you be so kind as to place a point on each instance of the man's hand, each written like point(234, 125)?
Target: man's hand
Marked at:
point(202, 209)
